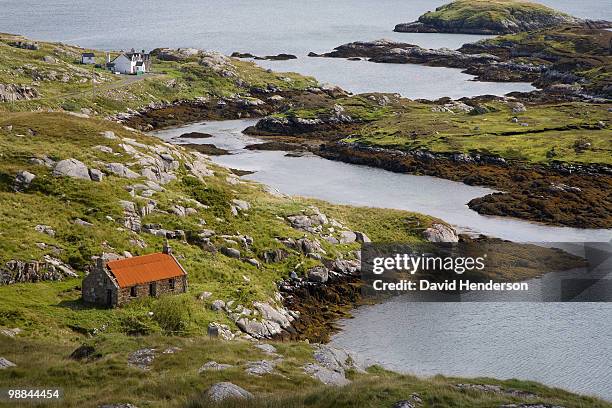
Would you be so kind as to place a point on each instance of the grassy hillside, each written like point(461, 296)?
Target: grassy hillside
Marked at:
point(61, 82)
point(173, 379)
point(55, 322)
point(59, 201)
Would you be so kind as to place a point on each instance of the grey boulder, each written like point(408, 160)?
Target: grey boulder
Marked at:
point(71, 168)
point(23, 180)
point(230, 252)
point(226, 390)
point(96, 175)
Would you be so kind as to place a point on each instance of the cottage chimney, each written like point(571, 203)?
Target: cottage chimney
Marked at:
point(100, 263)
point(167, 249)
point(108, 58)
point(133, 51)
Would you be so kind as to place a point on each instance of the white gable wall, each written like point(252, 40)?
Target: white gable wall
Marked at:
point(124, 65)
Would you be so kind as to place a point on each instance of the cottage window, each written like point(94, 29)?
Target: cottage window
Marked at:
point(172, 284)
point(133, 291)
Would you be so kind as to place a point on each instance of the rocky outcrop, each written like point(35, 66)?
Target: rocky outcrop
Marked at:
point(319, 274)
point(440, 233)
point(277, 57)
point(221, 331)
point(49, 269)
point(483, 17)
point(131, 217)
point(293, 125)
point(496, 389)
point(25, 45)
point(404, 53)
point(121, 170)
point(13, 93)
point(332, 364)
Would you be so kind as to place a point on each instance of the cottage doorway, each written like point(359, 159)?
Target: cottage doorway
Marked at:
point(152, 289)
point(109, 297)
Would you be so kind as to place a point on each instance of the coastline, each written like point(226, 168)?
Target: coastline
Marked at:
point(319, 305)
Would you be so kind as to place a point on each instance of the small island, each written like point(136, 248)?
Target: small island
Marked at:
point(492, 17)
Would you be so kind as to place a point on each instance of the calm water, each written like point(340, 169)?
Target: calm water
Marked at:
point(560, 344)
point(269, 27)
point(264, 27)
point(312, 176)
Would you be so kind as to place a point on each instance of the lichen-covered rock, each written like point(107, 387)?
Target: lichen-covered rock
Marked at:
point(49, 269)
point(142, 358)
point(260, 367)
point(226, 390)
point(266, 348)
point(45, 229)
point(220, 330)
point(96, 175)
point(218, 305)
point(279, 316)
point(230, 252)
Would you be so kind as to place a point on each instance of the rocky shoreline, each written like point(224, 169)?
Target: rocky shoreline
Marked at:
point(558, 194)
point(559, 73)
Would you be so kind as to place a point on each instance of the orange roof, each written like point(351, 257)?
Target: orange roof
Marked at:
point(145, 269)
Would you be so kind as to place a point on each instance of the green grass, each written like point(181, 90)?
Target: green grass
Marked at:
point(479, 14)
point(59, 201)
point(552, 131)
point(67, 84)
point(550, 128)
point(173, 380)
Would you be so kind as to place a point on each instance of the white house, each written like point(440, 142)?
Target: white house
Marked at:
point(88, 58)
point(131, 63)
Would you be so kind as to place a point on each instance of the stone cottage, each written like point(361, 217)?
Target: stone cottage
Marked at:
point(117, 282)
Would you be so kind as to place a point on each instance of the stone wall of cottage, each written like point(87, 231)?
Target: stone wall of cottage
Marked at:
point(96, 285)
point(161, 287)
